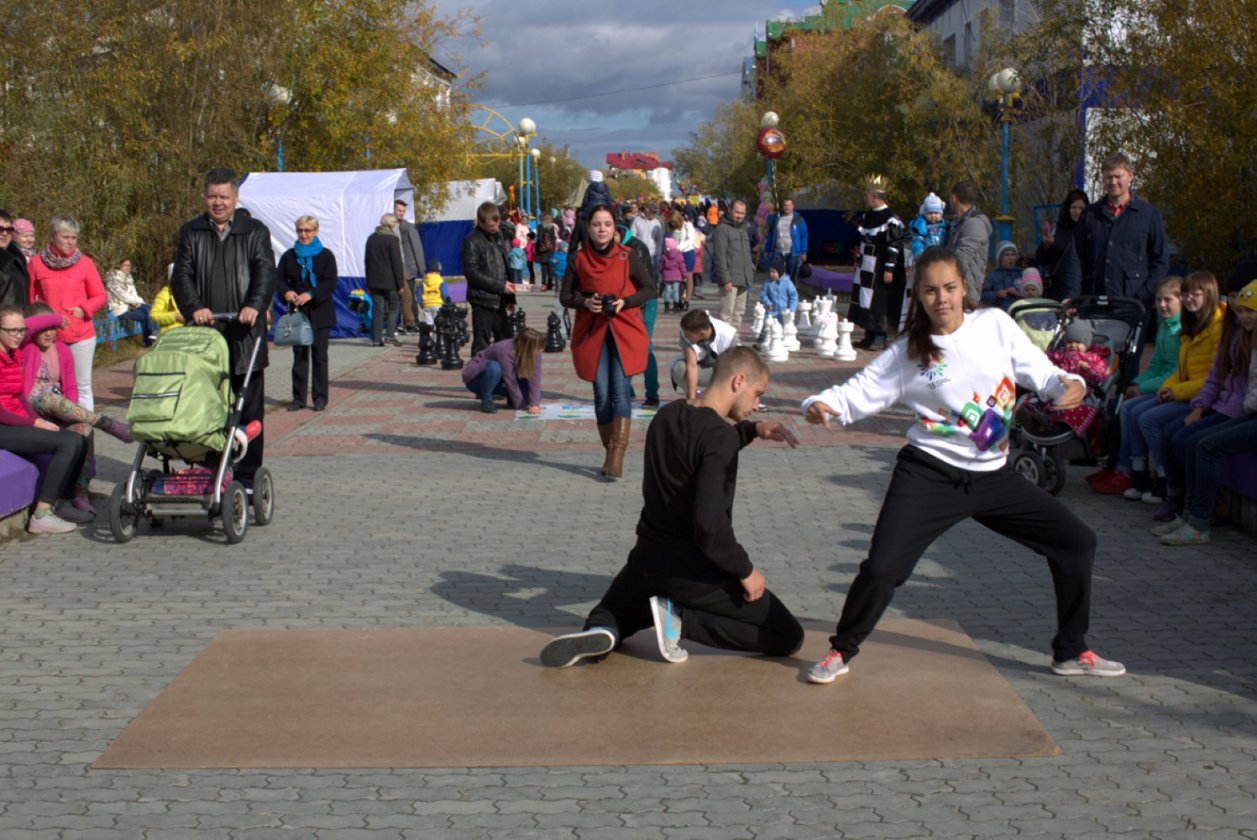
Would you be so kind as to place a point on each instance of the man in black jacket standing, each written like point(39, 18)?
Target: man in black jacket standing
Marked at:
point(1119, 242)
point(484, 266)
point(225, 264)
point(386, 277)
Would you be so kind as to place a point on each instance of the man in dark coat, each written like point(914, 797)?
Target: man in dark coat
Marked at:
point(1119, 242)
point(15, 283)
point(412, 258)
point(386, 275)
point(225, 264)
point(484, 266)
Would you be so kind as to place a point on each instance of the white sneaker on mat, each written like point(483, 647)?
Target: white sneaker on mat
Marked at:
point(667, 619)
point(562, 651)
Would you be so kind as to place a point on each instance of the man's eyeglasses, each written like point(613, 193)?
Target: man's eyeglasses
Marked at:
point(6, 229)
point(13, 330)
point(305, 230)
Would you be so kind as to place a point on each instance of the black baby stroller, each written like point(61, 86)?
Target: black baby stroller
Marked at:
point(181, 409)
point(1042, 446)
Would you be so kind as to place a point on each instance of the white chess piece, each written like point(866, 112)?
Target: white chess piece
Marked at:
point(824, 306)
point(804, 324)
point(845, 351)
point(790, 333)
point(777, 351)
point(757, 325)
point(827, 339)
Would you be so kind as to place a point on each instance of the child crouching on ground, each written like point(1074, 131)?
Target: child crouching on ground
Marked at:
point(434, 293)
point(778, 295)
point(48, 371)
point(1079, 356)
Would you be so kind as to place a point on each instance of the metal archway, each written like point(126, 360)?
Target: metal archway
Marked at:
point(484, 118)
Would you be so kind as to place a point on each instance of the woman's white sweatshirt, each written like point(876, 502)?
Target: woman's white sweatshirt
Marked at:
point(964, 399)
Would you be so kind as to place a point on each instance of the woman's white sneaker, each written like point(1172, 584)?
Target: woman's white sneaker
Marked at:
point(1088, 664)
point(828, 669)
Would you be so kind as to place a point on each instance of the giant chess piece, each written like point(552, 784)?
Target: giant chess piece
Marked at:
point(461, 333)
point(845, 351)
point(823, 306)
point(757, 325)
point(827, 338)
point(448, 321)
point(777, 351)
point(804, 321)
point(427, 346)
point(519, 320)
point(554, 334)
point(790, 333)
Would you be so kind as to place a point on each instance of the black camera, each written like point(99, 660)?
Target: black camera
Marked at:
point(608, 305)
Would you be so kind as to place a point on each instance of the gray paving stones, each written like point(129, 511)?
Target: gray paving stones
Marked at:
point(381, 536)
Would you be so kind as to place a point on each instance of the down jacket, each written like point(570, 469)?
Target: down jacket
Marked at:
point(1195, 358)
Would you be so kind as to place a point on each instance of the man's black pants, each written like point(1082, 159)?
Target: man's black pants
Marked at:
point(487, 326)
point(714, 611)
point(926, 497)
point(254, 409)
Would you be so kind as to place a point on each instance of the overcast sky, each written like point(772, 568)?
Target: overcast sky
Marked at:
point(534, 52)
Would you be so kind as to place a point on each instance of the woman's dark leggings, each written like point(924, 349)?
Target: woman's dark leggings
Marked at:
point(67, 448)
point(926, 497)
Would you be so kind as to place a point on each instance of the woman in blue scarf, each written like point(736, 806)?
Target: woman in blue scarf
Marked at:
point(307, 279)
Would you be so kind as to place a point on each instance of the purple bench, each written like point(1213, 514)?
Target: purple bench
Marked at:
point(830, 281)
point(19, 482)
point(1239, 472)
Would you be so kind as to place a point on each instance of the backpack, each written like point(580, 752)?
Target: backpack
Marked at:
point(182, 392)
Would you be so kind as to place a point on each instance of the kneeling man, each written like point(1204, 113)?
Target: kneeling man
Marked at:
point(687, 576)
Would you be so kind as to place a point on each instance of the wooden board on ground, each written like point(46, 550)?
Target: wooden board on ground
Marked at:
point(478, 697)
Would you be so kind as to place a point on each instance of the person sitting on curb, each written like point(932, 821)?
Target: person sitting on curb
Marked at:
point(688, 576)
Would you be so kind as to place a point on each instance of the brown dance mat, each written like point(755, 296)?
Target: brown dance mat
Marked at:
point(479, 697)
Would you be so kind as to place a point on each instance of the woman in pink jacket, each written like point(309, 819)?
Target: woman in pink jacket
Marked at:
point(66, 280)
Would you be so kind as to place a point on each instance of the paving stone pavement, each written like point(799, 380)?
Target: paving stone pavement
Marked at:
point(383, 503)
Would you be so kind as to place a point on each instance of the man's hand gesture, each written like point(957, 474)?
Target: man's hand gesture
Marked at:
point(776, 430)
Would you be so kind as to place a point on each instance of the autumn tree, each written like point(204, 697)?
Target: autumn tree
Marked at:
point(1170, 83)
point(562, 176)
point(721, 158)
point(111, 111)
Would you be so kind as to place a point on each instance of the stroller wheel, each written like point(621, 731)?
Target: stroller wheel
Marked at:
point(1029, 465)
point(122, 516)
point(235, 512)
point(1054, 467)
point(263, 497)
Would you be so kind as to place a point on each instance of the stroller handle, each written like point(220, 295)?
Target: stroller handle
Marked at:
point(224, 317)
point(1106, 300)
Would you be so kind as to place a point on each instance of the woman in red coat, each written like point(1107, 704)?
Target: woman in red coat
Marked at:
point(607, 284)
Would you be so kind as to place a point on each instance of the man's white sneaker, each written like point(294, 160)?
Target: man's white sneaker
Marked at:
point(1088, 664)
point(667, 619)
point(562, 651)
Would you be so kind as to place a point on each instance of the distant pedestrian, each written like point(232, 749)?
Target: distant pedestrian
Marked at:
point(969, 237)
point(385, 278)
point(882, 277)
point(1057, 247)
point(729, 259)
point(307, 282)
point(484, 265)
point(412, 261)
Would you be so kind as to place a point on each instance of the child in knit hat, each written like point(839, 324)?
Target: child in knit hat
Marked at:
point(1079, 354)
point(1031, 284)
point(928, 228)
point(1001, 286)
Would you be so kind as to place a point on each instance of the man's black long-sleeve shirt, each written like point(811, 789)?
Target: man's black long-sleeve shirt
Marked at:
point(686, 526)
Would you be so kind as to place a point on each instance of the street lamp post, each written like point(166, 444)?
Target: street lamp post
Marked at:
point(527, 130)
point(536, 182)
point(1004, 87)
point(282, 97)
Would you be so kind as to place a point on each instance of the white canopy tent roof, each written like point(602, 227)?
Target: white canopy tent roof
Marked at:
point(348, 206)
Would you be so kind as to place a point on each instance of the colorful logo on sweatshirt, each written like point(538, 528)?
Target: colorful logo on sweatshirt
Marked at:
point(985, 421)
point(935, 373)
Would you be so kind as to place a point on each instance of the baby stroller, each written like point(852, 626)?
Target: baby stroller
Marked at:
point(1041, 445)
point(181, 409)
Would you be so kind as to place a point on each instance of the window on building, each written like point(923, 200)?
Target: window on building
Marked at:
point(1008, 13)
point(971, 46)
point(949, 49)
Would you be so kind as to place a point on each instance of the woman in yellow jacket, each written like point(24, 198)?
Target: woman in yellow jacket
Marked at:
point(164, 311)
point(1203, 315)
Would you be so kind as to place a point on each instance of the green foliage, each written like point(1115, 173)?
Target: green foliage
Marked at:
point(873, 98)
point(112, 111)
point(1180, 73)
point(562, 176)
point(629, 186)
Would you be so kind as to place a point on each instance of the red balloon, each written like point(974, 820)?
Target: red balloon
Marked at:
point(770, 142)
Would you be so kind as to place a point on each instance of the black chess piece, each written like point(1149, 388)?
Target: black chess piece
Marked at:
point(448, 322)
point(554, 334)
point(427, 346)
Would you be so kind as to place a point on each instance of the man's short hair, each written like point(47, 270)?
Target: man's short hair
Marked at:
point(222, 175)
point(486, 211)
point(735, 203)
point(1117, 160)
point(737, 360)
point(5, 217)
point(966, 192)
point(696, 320)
